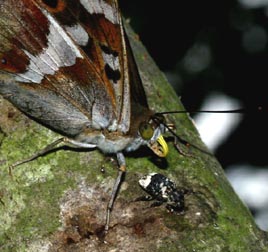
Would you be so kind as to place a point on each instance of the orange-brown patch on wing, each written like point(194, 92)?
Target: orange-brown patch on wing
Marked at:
point(13, 61)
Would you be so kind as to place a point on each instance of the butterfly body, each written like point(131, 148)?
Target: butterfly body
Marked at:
point(109, 141)
point(69, 67)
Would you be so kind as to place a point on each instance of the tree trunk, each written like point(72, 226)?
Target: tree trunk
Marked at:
point(58, 202)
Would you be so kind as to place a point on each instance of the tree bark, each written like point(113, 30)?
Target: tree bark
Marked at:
point(58, 202)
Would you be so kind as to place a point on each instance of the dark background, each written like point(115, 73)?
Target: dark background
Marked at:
point(237, 64)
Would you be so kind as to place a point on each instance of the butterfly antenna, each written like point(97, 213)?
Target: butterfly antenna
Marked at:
point(239, 111)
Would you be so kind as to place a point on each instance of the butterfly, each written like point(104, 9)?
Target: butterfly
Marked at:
point(69, 66)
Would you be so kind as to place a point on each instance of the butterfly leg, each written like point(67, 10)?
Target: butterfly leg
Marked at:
point(177, 142)
point(49, 148)
point(37, 154)
point(121, 172)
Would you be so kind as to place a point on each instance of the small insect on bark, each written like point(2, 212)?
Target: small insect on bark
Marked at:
point(162, 190)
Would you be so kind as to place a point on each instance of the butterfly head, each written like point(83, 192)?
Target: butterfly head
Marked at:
point(151, 132)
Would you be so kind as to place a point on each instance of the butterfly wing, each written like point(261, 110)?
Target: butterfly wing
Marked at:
point(64, 63)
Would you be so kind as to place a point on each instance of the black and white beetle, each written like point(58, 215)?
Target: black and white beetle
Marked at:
point(162, 190)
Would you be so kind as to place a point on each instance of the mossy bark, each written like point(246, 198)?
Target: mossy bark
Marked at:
point(57, 202)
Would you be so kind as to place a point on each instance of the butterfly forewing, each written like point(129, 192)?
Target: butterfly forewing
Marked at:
point(71, 52)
